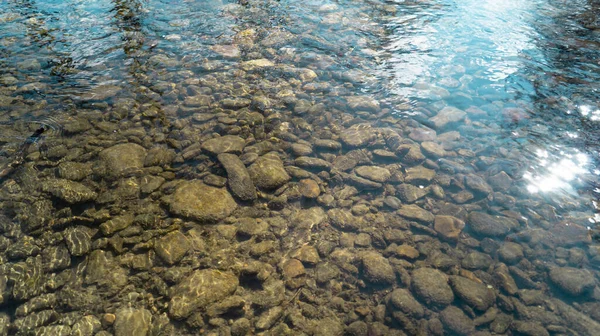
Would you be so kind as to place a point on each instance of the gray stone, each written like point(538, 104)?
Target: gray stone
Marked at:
point(475, 294)
point(357, 137)
point(199, 290)
point(150, 184)
point(373, 173)
point(325, 272)
point(377, 269)
point(123, 159)
point(172, 247)
point(574, 281)
point(267, 319)
point(101, 92)
point(312, 163)
point(455, 320)
point(69, 191)
point(196, 200)
point(491, 226)
point(510, 252)
point(529, 328)
point(28, 278)
point(226, 144)
point(131, 321)
point(53, 330)
point(159, 156)
point(433, 149)
point(56, 258)
point(419, 174)
point(328, 144)
point(431, 286)
point(401, 299)
point(410, 193)
point(329, 327)
point(238, 178)
point(477, 184)
point(268, 172)
point(477, 260)
point(301, 149)
point(86, 326)
point(447, 115)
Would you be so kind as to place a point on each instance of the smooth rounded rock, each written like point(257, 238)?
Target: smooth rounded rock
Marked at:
point(573, 281)
point(431, 286)
point(267, 172)
point(172, 247)
point(377, 269)
point(373, 173)
point(198, 201)
point(225, 144)
point(132, 321)
point(238, 178)
point(475, 294)
point(403, 300)
point(448, 227)
point(123, 159)
point(491, 226)
point(456, 321)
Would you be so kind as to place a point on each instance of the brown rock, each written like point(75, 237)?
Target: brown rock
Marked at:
point(309, 188)
point(448, 227)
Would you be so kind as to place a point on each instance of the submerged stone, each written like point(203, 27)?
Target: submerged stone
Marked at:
point(238, 178)
point(200, 289)
point(198, 201)
point(267, 172)
point(123, 159)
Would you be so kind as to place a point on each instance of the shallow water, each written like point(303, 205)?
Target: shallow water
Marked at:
point(318, 168)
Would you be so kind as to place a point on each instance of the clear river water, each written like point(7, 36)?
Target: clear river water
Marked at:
point(299, 167)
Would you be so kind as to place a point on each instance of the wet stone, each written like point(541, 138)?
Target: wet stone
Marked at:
point(197, 100)
point(325, 272)
point(56, 258)
point(419, 174)
point(363, 103)
point(401, 299)
point(309, 188)
point(344, 220)
point(235, 103)
point(477, 260)
point(267, 319)
point(131, 321)
point(301, 149)
point(392, 202)
point(123, 159)
point(501, 181)
point(510, 253)
point(74, 171)
point(377, 269)
point(28, 278)
point(116, 224)
point(357, 137)
point(414, 155)
point(312, 163)
point(327, 144)
point(433, 149)
point(361, 183)
point(196, 200)
point(227, 50)
point(475, 294)
point(238, 178)
point(431, 286)
point(412, 211)
point(268, 172)
point(448, 227)
point(490, 226)
point(573, 281)
point(447, 115)
point(225, 144)
point(256, 64)
point(373, 173)
point(86, 326)
point(36, 320)
point(149, 184)
point(477, 184)
point(199, 290)
point(68, 191)
point(529, 328)
point(172, 247)
point(410, 193)
point(159, 156)
point(38, 303)
point(456, 321)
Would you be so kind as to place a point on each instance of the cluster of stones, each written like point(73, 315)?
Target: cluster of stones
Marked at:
point(275, 211)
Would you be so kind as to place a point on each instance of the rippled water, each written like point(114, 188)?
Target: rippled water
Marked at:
point(395, 167)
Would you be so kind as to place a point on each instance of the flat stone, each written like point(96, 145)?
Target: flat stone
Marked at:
point(235, 103)
point(101, 92)
point(238, 178)
point(456, 321)
point(68, 191)
point(172, 247)
point(431, 286)
point(116, 224)
point(373, 173)
point(225, 144)
point(200, 289)
point(131, 321)
point(410, 193)
point(407, 252)
point(475, 294)
point(199, 100)
point(501, 181)
point(312, 163)
point(78, 241)
point(433, 149)
point(301, 149)
point(402, 300)
point(363, 103)
point(477, 184)
point(196, 200)
point(573, 281)
point(123, 159)
point(448, 227)
point(491, 226)
point(344, 220)
point(510, 253)
point(377, 269)
point(327, 144)
point(307, 254)
point(256, 64)
point(419, 174)
point(227, 50)
point(447, 115)
point(412, 211)
point(357, 137)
